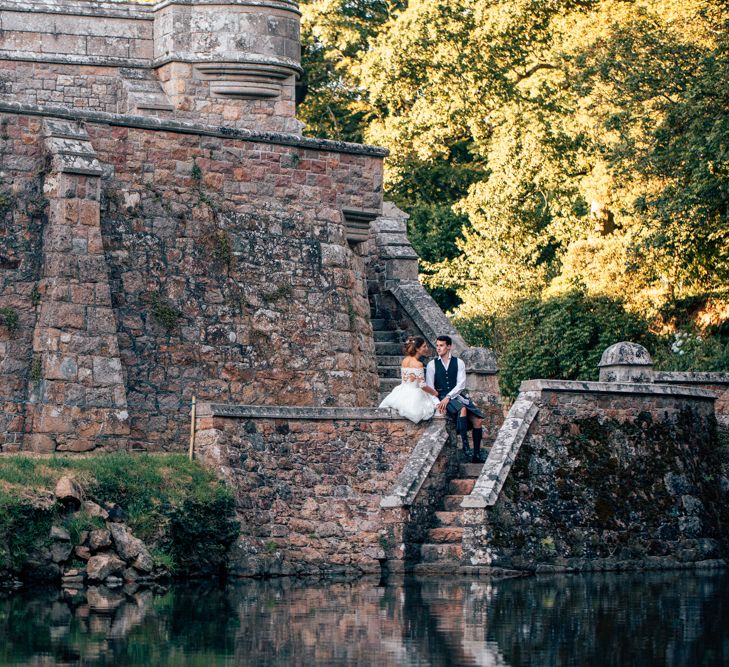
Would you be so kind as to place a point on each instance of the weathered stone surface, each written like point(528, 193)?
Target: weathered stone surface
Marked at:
point(126, 545)
point(604, 471)
point(69, 492)
point(95, 510)
point(143, 562)
point(60, 551)
point(99, 539)
point(60, 534)
point(84, 553)
point(308, 490)
point(100, 566)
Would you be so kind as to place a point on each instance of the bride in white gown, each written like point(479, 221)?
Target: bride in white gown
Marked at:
point(412, 398)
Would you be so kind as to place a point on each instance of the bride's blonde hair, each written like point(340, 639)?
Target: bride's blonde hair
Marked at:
point(412, 344)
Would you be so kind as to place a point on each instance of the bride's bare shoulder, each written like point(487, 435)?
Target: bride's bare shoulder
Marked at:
point(411, 362)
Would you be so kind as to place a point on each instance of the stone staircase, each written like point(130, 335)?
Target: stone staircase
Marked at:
point(444, 538)
point(388, 351)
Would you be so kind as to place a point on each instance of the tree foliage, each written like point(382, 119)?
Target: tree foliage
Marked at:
point(562, 337)
point(545, 148)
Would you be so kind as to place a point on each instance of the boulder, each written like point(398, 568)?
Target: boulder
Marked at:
point(126, 545)
point(59, 534)
point(99, 539)
point(69, 493)
point(99, 567)
point(84, 553)
point(60, 551)
point(93, 509)
point(143, 561)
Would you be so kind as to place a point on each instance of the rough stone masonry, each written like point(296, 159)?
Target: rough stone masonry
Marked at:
point(165, 229)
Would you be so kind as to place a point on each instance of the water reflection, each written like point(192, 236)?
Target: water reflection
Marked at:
point(675, 618)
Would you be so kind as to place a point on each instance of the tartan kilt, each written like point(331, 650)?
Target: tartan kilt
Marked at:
point(455, 405)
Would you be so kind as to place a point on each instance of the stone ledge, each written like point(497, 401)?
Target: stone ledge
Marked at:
point(503, 453)
point(74, 59)
point(291, 412)
point(107, 9)
point(693, 377)
point(578, 387)
point(182, 127)
point(417, 468)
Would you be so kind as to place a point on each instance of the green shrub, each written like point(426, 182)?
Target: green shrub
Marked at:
point(688, 351)
point(561, 337)
point(24, 525)
point(175, 505)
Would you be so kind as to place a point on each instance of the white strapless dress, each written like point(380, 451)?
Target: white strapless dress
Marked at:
point(409, 399)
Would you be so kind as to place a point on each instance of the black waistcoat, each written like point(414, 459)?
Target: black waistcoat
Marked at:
point(445, 380)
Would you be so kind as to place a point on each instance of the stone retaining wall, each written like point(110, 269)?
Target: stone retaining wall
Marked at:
point(606, 476)
point(716, 383)
point(225, 257)
point(308, 483)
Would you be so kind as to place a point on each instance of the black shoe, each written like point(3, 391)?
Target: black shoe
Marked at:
point(478, 458)
point(467, 452)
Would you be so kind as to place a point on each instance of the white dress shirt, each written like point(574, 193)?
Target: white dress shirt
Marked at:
point(460, 378)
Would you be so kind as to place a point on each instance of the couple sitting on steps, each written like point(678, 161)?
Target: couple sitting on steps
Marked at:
point(439, 386)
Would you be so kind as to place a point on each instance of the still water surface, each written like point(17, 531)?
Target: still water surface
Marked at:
point(669, 618)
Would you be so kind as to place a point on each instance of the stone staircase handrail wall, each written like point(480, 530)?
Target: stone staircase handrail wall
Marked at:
point(503, 452)
point(432, 322)
point(523, 412)
point(418, 467)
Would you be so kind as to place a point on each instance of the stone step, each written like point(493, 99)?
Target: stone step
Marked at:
point(452, 503)
point(445, 535)
point(470, 470)
point(383, 348)
point(443, 519)
point(431, 553)
point(378, 323)
point(387, 337)
point(389, 360)
point(461, 486)
point(389, 372)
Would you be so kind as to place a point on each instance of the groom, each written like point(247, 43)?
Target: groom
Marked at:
point(447, 375)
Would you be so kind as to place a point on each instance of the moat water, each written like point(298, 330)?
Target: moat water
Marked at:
point(667, 618)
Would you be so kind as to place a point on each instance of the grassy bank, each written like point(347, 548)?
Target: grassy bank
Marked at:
point(180, 510)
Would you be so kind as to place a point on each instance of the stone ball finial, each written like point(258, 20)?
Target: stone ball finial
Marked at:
point(626, 362)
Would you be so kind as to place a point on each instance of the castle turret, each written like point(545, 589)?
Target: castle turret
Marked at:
point(230, 63)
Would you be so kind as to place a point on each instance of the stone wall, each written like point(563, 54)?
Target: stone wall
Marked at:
point(225, 258)
point(232, 63)
point(716, 383)
point(604, 476)
point(308, 483)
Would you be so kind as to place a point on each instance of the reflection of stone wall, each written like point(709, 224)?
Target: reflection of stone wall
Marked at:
point(308, 484)
point(606, 475)
point(667, 618)
point(670, 618)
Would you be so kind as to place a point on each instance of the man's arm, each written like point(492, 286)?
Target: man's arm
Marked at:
point(430, 374)
point(460, 380)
